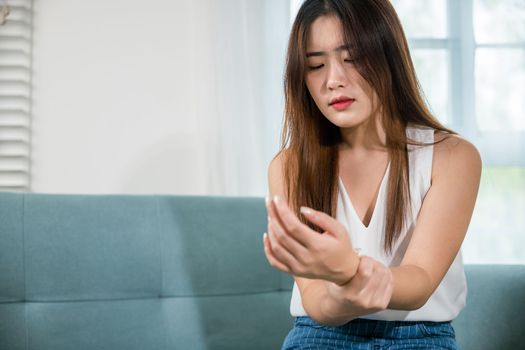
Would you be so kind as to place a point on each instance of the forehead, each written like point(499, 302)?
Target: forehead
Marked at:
point(325, 34)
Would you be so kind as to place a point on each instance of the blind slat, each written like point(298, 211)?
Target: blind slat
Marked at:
point(13, 97)
point(20, 8)
point(14, 38)
point(12, 111)
point(17, 141)
point(14, 52)
point(14, 188)
point(14, 156)
point(13, 127)
point(12, 81)
point(9, 67)
point(11, 171)
point(22, 22)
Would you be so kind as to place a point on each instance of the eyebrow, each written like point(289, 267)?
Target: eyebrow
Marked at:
point(322, 53)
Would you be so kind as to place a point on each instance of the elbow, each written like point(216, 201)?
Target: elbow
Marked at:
point(413, 287)
point(418, 303)
point(325, 317)
point(323, 309)
point(420, 299)
point(408, 305)
point(329, 321)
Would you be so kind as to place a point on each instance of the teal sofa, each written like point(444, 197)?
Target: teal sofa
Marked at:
point(124, 272)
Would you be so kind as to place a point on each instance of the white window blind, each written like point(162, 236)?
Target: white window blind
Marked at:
point(15, 96)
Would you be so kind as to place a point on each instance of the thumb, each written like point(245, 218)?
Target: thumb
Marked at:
point(324, 221)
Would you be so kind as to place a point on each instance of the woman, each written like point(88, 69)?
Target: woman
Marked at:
point(391, 190)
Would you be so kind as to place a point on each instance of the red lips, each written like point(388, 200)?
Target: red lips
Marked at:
point(340, 99)
point(341, 102)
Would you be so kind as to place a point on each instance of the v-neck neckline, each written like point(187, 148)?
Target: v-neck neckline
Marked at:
point(379, 194)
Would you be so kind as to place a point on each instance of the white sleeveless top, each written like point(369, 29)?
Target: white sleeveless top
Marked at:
point(449, 298)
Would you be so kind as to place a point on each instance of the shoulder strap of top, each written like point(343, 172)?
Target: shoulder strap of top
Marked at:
point(420, 157)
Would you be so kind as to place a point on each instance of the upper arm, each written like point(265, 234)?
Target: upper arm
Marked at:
point(446, 209)
point(276, 176)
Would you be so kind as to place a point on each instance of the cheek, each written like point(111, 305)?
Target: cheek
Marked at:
point(369, 93)
point(314, 88)
point(310, 86)
point(373, 99)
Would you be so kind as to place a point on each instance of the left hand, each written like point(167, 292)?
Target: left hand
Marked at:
point(295, 248)
point(369, 291)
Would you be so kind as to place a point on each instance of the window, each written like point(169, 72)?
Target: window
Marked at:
point(470, 60)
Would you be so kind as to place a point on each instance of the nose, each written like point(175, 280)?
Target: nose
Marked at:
point(336, 76)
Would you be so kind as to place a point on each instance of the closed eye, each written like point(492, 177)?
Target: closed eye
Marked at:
point(349, 60)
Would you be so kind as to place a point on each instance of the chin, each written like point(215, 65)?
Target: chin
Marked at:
point(346, 121)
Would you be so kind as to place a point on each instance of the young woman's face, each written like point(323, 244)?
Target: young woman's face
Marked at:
point(339, 91)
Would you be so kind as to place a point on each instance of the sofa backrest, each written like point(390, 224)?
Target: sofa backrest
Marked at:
point(494, 317)
point(176, 272)
point(137, 272)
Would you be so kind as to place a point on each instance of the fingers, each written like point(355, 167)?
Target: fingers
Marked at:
point(323, 220)
point(270, 256)
point(286, 217)
point(361, 281)
point(270, 207)
point(278, 234)
point(279, 212)
point(371, 288)
point(281, 253)
point(384, 290)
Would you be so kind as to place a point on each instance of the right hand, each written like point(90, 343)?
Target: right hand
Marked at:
point(369, 291)
point(295, 248)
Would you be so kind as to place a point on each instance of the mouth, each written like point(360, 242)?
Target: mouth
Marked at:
point(341, 103)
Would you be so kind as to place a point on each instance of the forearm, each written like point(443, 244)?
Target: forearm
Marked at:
point(330, 304)
point(412, 288)
point(323, 307)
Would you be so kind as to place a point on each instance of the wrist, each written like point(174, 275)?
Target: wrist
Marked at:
point(349, 269)
point(334, 306)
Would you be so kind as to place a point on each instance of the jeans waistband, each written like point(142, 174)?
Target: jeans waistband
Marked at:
point(384, 329)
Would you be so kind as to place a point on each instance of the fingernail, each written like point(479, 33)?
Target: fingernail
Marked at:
point(276, 199)
point(269, 219)
point(267, 200)
point(306, 211)
point(265, 236)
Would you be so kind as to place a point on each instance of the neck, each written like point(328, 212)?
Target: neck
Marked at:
point(366, 137)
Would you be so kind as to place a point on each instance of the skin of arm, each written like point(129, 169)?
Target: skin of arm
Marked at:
point(440, 229)
point(441, 225)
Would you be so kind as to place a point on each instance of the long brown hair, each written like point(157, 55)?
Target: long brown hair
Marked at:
point(311, 141)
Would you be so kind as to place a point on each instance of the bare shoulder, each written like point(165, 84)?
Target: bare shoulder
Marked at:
point(455, 156)
point(276, 174)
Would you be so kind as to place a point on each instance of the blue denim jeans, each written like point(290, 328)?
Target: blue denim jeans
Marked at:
point(369, 334)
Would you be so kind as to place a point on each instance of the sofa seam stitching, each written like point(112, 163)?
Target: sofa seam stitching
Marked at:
point(24, 268)
point(161, 267)
point(159, 233)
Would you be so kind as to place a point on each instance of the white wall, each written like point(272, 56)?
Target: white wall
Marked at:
point(118, 101)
